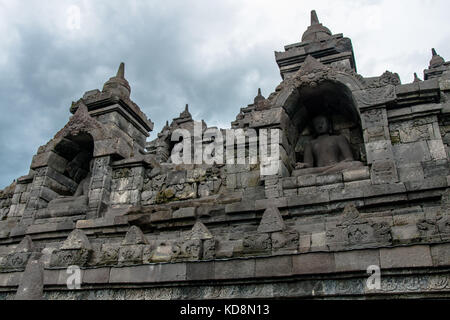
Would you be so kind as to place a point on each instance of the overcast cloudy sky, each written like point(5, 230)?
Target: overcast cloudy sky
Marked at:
point(210, 54)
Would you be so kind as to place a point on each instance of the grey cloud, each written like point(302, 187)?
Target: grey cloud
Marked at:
point(175, 52)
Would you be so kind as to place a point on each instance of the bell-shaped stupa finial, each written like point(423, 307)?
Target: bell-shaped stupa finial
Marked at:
point(118, 85)
point(416, 78)
point(259, 97)
point(436, 60)
point(316, 31)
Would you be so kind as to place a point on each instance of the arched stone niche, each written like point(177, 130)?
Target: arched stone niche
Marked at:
point(78, 152)
point(333, 100)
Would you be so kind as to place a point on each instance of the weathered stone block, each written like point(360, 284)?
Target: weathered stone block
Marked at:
point(289, 183)
point(329, 179)
point(384, 172)
point(161, 216)
point(405, 257)
point(437, 149)
point(426, 184)
point(96, 276)
point(384, 189)
point(357, 174)
point(357, 260)
point(441, 254)
point(135, 274)
point(415, 152)
point(109, 254)
point(304, 243)
point(412, 172)
point(379, 151)
point(165, 252)
point(306, 191)
point(318, 241)
point(313, 263)
point(130, 254)
point(306, 180)
point(257, 244)
point(302, 200)
point(234, 269)
point(435, 168)
point(200, 270)
point(405, 234)
point(273, 267)
point(243, 206)
point(346, 193)
point(65, 258)
point(184, 213)
point(285, 242)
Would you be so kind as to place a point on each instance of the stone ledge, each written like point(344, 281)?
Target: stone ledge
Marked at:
point(10, 279)
point(50, 227)
point(149, 273)
point(402, 257)
point(320, 263)
point(102, 222)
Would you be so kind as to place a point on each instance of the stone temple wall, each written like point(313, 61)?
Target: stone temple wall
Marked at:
point(100, 197)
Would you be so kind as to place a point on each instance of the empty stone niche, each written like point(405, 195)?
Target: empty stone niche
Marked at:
point(77, 151)
point(69, 177)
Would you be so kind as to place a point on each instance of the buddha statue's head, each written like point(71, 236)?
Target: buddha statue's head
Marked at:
point(321, 125)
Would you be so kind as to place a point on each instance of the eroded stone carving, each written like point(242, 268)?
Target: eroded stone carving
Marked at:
point(327, 153)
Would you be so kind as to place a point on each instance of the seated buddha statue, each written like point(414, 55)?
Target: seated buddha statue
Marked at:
point(327, 153)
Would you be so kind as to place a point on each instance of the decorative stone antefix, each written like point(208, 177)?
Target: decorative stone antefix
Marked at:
point(17, 260)
point(76, 250)
point(198, 243)
point(354, 232)
point(271, 221)
point(133, 247)
point(283, 240)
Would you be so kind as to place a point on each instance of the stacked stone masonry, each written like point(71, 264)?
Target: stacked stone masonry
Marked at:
point(101, 197)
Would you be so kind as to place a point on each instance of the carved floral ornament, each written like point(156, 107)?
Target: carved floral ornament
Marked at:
point(366, 92)
point(80, 122)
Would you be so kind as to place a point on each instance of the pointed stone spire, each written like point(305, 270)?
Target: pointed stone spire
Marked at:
point(436, 60)
point(271, 221)
point(121, 72)
point(259, 97)
point(186, 113)
point(316, 31)
point(416, 78)
point(314, 18)
point(118, 85)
